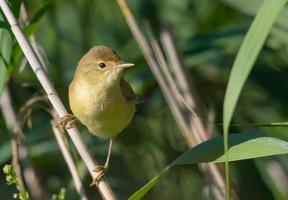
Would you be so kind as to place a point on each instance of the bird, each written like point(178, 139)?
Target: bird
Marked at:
point(100, 98)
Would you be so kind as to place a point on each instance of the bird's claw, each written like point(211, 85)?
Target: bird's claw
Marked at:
point(67, 121)
point(101, 172)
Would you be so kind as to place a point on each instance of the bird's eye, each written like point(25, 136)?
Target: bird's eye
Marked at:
point(102, 65)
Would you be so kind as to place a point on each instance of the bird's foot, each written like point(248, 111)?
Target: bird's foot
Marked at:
point(67, 121)
point(101, 171)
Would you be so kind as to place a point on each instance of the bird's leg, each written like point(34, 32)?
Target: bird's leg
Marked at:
point(67, 121)
point(102, 169)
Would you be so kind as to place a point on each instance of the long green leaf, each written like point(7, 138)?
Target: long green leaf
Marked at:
point(6, 43)
point(242, 146)
point(245, 59)
point(34, 23)
point(247, 55)
point(30, 29)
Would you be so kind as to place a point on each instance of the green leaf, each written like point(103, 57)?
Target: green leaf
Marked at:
point(34, 22)
point(5, 56)
point(30, 29)
point(242, 146)
point(245, 59)
point(40, 13)
point(6, 43)
point(146, 188)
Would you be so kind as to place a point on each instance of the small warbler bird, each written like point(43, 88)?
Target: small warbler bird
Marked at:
point(100, 98)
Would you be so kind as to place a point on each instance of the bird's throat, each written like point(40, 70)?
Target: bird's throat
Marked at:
point(113, 76)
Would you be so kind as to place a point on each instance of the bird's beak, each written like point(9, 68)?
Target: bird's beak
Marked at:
point(124, 65)
point(116, 71)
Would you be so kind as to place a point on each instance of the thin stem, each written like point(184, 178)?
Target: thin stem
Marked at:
point(13, 127)
point(198, 129)
point(272, 124)
point(179, 71)
point(181, 77)
point(227, 168)
point(20, 151)
point(60, 137)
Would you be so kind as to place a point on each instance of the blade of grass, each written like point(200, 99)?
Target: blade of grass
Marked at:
point(246, 57)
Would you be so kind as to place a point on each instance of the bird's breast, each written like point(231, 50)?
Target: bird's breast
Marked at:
point(103, 110)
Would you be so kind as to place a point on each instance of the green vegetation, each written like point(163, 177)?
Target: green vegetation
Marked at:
point(248, 38)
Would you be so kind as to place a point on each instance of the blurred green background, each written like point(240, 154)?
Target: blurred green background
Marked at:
point(208, 34)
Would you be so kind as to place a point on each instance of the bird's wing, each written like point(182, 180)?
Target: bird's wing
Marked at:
point(128, 92)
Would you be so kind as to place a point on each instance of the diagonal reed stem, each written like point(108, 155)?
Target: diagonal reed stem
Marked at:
point(38, 69)
point(152, 62)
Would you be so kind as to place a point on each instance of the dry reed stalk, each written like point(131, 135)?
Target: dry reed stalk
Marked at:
point(20, 152)
point(191, 126)
point(14, 128)
point(61, 139)
point(152, 62)
point(199, 130)
point(62, 143)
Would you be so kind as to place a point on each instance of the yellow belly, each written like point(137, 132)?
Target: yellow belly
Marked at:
point(105, 112)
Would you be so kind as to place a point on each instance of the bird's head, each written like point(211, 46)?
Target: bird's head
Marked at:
point(101, 63)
